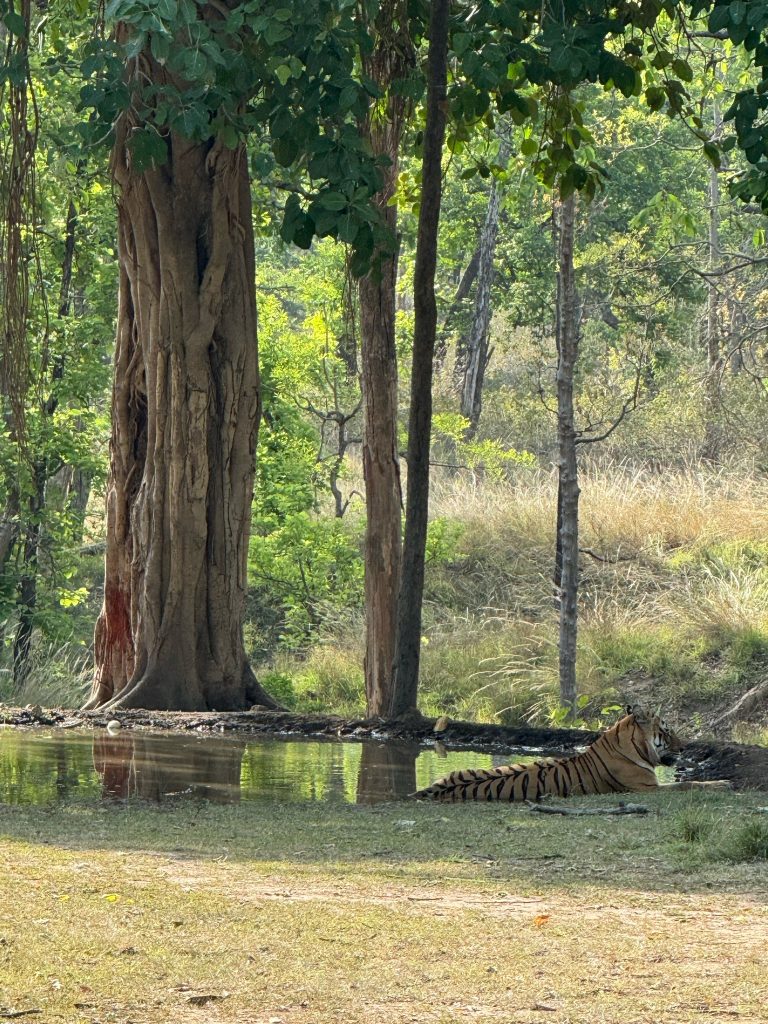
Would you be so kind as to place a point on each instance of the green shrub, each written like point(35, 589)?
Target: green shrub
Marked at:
point(746, 841)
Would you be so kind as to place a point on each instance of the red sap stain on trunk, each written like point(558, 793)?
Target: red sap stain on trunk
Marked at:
point(113, 643)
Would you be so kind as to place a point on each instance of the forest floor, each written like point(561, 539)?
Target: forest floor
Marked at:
point(314, 913)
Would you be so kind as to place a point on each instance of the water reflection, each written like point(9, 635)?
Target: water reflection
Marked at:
point(387, 772)
point(45, 768)
point(142, 766)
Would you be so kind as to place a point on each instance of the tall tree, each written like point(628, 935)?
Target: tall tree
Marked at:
point(185, 413)
point(712, 440)
point(406, 668)
point(472, 356)
point(388, 64)
point(567, 337)
point(194, 80)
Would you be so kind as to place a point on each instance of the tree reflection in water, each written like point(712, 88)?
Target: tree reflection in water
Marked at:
point(148, 767)
point(387, 772)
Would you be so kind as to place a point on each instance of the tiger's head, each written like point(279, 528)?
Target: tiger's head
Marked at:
point(660, 741)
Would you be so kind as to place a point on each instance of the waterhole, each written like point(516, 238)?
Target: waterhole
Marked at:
point(45, 767)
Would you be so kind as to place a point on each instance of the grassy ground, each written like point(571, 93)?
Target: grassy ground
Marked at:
point(394, 913)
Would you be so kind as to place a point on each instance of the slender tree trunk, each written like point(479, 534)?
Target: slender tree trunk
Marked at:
point(185, 414)
point(568, 478)
point(462, 293)
point(425, 329)
point(347, 345)
point(27, 592)
point(472, 358)
point(712, 438)
point(390, 59)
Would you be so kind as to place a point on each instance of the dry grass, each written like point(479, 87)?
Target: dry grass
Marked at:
point(674, 587)
point(394, 913)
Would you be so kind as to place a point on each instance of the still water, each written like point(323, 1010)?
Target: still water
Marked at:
point(42, 767)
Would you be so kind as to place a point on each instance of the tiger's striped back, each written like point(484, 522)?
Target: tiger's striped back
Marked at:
point(622, 760)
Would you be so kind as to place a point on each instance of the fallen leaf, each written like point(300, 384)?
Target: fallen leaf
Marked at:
point(541, 919)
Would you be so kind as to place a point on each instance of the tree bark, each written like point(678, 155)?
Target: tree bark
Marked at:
point(472, 358)
point(712, 439)
point(185, 414)
point(408, 649)
point(390, 59)
point(567, 332)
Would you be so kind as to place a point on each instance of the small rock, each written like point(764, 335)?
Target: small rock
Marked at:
point(113, 726)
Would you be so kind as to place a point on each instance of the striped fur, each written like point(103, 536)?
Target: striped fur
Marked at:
point(622, 760)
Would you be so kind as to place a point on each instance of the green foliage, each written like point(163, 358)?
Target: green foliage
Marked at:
point(304, 567)
point(309, 566)
point(486, 455)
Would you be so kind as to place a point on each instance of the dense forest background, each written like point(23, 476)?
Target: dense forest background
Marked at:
point(671, 408)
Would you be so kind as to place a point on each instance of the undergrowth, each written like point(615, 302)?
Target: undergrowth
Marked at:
point(705, 833)
point(674, 599)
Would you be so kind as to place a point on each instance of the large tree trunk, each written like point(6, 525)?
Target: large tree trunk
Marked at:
point(406, 681)
point(568, 476)
point(185, 415)
point(472, 357)
point(390, 59)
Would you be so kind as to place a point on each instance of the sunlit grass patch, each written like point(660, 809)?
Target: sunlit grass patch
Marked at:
point(363, 914)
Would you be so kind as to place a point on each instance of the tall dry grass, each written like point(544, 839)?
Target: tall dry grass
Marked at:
point(674, 592)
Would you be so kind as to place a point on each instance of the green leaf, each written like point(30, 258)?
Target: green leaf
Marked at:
point(332, 200)
point(683, 70)
point(529, 147)
point(229, 136)
point(160, 47)
point(15, 23)
point(655, 97)
point(738, 12)
point(461, 42)
point(712, 153)
point(148, 149)
point(167, 9)
point(283, 73)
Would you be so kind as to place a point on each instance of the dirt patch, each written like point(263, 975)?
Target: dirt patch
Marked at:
point(745, 767)
point(438, 900)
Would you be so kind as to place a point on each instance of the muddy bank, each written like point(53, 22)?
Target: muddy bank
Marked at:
point(455, 735)
point(746, 767)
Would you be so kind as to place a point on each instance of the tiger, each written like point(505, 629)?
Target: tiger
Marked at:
point(621, 760)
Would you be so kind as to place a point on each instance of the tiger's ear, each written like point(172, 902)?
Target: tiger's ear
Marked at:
point(640, 714)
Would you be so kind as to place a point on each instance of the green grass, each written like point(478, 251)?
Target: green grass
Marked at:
point(400, 912)
point(712, 834)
